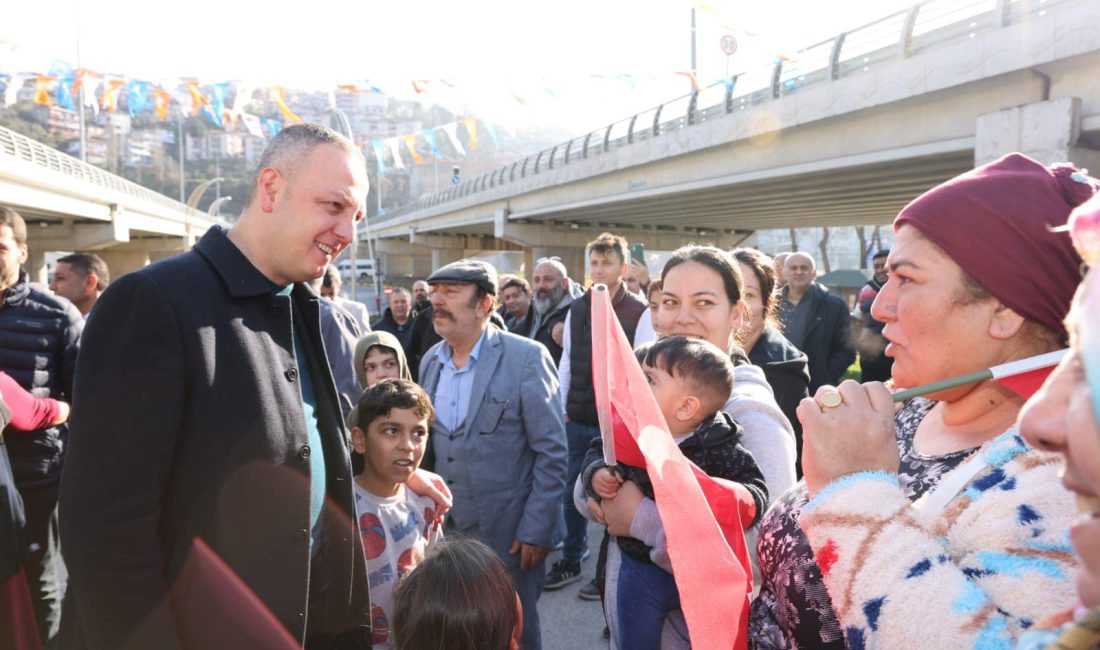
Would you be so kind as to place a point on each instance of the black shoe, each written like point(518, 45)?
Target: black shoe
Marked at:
point(561, 574)
point(590, 591)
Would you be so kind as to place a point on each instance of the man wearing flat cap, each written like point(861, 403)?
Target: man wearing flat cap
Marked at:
point(499, 436)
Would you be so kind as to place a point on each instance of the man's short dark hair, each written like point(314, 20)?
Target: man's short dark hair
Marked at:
point(291, 145)
point(881, 254)
point(88, 263)
point(516, 281)
point(11, 219)
point(389, 394)
point(608, 243)
point(699, 362)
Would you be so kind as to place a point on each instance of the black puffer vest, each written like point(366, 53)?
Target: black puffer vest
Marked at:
point(39, 341)
point(581, 402)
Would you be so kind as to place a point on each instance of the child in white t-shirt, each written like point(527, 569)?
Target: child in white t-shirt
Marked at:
point(391, 433)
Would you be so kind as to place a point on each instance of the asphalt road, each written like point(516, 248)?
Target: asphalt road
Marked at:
point(569, 623)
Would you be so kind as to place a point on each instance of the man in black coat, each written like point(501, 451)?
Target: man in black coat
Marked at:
point(549, 306)
point(816, 322)
point(399, 318)
point(39, 342)
point(206, 411)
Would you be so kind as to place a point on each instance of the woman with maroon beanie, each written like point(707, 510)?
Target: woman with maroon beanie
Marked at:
point(977, 278)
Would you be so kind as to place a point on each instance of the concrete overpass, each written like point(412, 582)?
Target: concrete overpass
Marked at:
point(70, 205)
point(845, 134)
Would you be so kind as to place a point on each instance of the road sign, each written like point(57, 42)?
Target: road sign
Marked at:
point(388, 290)
point(455, 180)
point(729, 44)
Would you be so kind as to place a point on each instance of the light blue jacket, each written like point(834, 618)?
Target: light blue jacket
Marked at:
point(513, 448)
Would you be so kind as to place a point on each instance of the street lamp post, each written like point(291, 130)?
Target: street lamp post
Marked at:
point(196, 194)
point(344, 126)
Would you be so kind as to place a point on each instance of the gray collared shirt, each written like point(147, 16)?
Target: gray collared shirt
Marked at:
point(452, 393)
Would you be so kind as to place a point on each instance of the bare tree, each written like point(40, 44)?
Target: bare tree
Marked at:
point(876, 238)
point(794, 240)
point(861, 233)
point(824, 246)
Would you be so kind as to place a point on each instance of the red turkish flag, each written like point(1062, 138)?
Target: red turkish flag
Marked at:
point(702, 516)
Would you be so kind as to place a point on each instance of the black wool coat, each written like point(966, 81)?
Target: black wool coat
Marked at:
point(188, 425)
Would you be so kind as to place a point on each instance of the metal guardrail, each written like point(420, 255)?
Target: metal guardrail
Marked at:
point(18, 146)
point(897, 36)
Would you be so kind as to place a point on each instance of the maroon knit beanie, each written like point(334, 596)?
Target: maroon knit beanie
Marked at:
point(995, 222)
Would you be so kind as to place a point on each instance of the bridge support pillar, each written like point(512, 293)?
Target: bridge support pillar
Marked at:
point(120, 262)
point(36, 265)
point(1047, 131)
point(401, 259)
point(444, 256)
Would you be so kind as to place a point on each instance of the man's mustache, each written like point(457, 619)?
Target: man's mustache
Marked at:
point(442, 313)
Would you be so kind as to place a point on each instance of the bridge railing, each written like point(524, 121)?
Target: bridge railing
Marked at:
point(924, 26)
point(27, 150)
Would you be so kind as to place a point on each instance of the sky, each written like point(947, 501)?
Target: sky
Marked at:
point(503, 56)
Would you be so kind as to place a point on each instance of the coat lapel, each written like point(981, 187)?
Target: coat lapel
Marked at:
point(488, 357)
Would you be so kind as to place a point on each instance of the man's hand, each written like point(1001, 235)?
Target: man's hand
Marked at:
point(530, 554)
point(557, 332)
point(641, 269)
point(619, 511)
point(606, 483)
point(427, 484)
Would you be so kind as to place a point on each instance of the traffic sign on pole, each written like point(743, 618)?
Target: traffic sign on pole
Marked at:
point(729, 44)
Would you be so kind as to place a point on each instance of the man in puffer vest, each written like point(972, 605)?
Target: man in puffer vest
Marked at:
point(39, 341)
point(607, 263)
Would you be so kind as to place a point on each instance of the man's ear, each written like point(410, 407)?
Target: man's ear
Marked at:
point(90, 281)
point(1004, 323)
point(22, 253)
point(270, 183)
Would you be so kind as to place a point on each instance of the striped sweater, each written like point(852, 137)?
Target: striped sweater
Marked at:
point(975, 574)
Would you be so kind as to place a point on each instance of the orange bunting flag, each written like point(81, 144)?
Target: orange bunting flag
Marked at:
point(42, 91)
point(410, 144)
point(110, 97)
point(161, 101)
point(420, 86)
point(471, 131)
point(277, 95)
point(691, 76)
point(351, 88)
point(197, 100)
point(702, 516)
point(521, 100)
point(78, 80)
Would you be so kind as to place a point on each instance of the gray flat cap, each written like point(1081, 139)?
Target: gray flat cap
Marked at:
point(467, 272)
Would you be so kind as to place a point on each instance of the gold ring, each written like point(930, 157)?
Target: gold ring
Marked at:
point(830, 399)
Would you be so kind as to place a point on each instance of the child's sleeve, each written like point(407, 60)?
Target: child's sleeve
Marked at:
point(735, 463)
point(28, 412)
point(647, 527)
point(593, 460)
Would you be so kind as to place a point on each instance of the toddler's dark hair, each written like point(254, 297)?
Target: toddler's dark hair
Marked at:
point(697, 361)
point(459, 598)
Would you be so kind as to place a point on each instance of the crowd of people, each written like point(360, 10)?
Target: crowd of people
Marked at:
point(402, 483)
